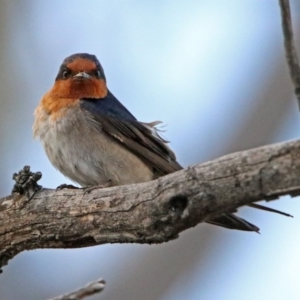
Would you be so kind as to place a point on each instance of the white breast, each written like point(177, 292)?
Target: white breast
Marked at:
point(85, 154)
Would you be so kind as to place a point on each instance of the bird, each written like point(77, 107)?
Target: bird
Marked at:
point(91, 138)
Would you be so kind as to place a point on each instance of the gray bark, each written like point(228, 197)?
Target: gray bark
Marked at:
point(151, 212)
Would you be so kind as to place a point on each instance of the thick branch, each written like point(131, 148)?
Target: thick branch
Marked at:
point(289, 44)
point(152, 212)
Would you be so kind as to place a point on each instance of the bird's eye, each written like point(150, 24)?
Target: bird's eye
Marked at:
point(98, 74)
point(65, 74)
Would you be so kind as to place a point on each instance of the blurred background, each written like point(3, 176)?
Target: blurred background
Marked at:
point(215, 73)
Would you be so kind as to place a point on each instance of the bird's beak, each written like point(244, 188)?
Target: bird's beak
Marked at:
point(81, 75)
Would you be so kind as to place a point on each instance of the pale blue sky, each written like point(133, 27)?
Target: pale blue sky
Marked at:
point(201, 67)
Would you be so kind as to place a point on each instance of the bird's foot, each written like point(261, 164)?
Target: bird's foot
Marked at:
point(87, 190)
point(66, 186)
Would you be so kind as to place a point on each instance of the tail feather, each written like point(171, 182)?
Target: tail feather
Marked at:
point(258, 206)
point(232, 221)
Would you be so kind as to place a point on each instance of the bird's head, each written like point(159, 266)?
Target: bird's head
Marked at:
point(80, 76)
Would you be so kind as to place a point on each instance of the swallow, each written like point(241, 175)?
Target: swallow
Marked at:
point(91, 138)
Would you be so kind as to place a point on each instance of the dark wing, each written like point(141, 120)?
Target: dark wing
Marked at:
point(108, 106)
point(140, 138)
point(144, 140)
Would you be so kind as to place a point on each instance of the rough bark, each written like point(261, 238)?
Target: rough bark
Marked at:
point(152, 212)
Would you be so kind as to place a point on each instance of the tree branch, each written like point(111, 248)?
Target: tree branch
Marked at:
point(289, 44)
point(89, 290)
point(151, 212)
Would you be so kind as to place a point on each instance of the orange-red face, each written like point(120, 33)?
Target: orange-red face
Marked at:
point(80, 76)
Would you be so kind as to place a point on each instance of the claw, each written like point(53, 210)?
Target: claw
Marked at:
point(66, 186)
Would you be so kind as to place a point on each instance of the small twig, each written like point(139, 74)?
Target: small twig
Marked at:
point(289, 44)
point(91, 289)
